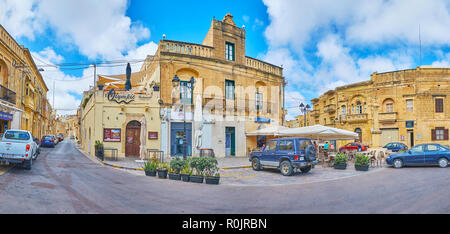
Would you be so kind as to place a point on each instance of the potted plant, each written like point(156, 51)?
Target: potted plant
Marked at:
point(211, 171)
point(198, 165)
point(185, 173)
point(362, 162)
point(99, 150)
point(176, 164)
point(162, 170)
point(150, 167)
point(340, 161)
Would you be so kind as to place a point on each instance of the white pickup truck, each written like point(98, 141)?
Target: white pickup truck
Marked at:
point(18, 146)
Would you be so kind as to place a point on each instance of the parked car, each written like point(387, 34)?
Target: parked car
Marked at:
point(38, 144)
point(353, 146)
point(60, 137)
point(18, 147)
point(48, 141)
point(421, 155)
point(396, 146)
point(286, 154)
point(55, 138)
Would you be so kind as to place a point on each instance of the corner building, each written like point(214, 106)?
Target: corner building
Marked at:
point(233, 93)
point(410, 106)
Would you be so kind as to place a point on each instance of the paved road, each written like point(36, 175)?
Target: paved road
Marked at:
point(63, 180)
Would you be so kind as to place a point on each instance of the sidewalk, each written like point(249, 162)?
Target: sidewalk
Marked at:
point(134, 163)
point(137, 164)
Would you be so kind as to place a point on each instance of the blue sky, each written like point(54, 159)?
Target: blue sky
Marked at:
point(321, 44)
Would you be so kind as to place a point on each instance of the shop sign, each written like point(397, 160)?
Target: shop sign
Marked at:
point(409, 124)
point(122, 97)
point(152, 135)
point(262, 120)
point(6, 116)
point(111, 134)
point(175, 115)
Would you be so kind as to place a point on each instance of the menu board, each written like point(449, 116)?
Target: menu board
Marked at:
point(152, 135)
point(111, 134)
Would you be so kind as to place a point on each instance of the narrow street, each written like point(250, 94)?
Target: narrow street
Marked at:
point(63, 180)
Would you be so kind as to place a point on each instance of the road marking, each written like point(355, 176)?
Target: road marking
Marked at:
point(4, 168)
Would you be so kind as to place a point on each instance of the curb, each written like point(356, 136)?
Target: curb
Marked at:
point(141, 169)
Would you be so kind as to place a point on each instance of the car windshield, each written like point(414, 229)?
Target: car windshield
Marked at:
point(17, 135)
point(48, 138)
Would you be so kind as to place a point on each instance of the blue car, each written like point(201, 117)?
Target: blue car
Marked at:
point(421, 155)
point(48, 141)
point(396, 146)
point(285, 154)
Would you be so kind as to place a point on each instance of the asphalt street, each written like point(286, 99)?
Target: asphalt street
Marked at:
point(63, 180)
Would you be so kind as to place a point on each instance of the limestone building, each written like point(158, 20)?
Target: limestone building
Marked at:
point(410, 106)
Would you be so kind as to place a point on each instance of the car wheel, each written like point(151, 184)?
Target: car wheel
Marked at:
point(306, 169)
point(256, 165)
point(443, 162)
point(286, 168)
point(27, 164)
point(398, 163)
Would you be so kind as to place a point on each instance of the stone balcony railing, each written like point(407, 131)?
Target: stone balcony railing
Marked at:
point(315, 113)
point(354, 118)
point(263, 66)
point(330, 108)
point(387, 117)
point(186, 48)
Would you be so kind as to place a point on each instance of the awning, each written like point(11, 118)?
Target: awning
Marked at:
point(320, 132)
point(268, 131)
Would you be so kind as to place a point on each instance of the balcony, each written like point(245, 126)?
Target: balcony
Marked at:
point(7, 95)
point(387, 117)
point(29, 102)
point(330, 108)
point(355, 118)
point(315, 113)
point(179, 47)
point(263, 66)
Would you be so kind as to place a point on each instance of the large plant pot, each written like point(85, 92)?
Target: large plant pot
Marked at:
point(173, 176)
point(362, 168)
point(212, 180)
point(185, 177)
point(340, 166)
point(162, 174)
point(99, 152)
point(150, 173)
point(196, 179)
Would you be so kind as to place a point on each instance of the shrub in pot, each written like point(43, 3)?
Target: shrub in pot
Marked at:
point(362, 162)
point(150, 167)
point(162, 170)
point(197, 164)
point(185, 173)
point(340, 161)
point(176, 164)
point(212, 175)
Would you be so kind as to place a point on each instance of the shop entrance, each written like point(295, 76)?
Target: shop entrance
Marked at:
point(230, 147)
point(177, 138)
point(132, 140)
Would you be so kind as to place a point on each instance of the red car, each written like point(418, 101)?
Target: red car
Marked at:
point(353, 146)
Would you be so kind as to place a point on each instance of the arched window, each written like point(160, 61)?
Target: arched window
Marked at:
point(358, 108)
point(388, 105)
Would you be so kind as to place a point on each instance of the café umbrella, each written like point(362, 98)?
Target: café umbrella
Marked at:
point(143, 149)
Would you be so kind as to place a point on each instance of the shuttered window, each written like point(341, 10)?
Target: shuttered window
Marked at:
point(439, 105)
point(439, 134)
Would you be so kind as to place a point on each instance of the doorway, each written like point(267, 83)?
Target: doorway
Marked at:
point(411, 138)
point(133, 141)
point(230, 145)
point(177, 139)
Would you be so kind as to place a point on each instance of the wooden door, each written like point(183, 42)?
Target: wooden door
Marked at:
point(132, 140)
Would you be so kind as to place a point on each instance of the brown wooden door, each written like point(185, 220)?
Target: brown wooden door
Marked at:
point(132, 140)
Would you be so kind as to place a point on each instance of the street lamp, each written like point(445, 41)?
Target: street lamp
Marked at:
point(304, 109)
point(188, 86)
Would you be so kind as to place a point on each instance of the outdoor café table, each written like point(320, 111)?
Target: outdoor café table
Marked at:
point(114, 153)
point(160, 154)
